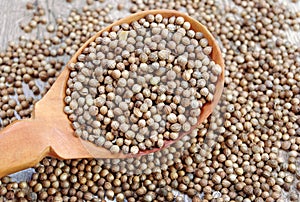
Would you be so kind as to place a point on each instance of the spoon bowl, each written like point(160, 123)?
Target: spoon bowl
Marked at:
point(49, 132)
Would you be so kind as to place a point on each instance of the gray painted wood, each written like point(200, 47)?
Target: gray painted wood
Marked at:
point(14, 12)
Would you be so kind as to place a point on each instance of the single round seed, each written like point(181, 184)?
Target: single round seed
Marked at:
point(134, 150)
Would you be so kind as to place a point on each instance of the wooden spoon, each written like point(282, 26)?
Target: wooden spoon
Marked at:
point(49, 133)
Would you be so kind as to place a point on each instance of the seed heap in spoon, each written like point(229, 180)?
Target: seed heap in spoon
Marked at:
point(141, 84)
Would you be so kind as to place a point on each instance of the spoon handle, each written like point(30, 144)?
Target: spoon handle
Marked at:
point(21, 146)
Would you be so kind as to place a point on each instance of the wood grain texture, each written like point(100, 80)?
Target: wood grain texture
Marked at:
point(11, 14)
point(14, 12)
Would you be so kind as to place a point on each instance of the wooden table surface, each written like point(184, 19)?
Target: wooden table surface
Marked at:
point(14, 12)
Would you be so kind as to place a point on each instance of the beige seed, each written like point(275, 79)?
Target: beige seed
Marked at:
point(116, 74)
point(175, 127)
point(182, 60)
point(204, 91)
point(50, 28)
point(207, 50)
point(163, 54)
point(172, 118)
point(158, 18)
point(203, 42)
point(114, 149)
point(187, 26)
point(136, 88)
point(134, 150)
point(216, 69)
point(179, 20)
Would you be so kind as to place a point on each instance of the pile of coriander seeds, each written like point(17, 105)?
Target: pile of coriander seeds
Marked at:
point(141, 84)
point(247, 150)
